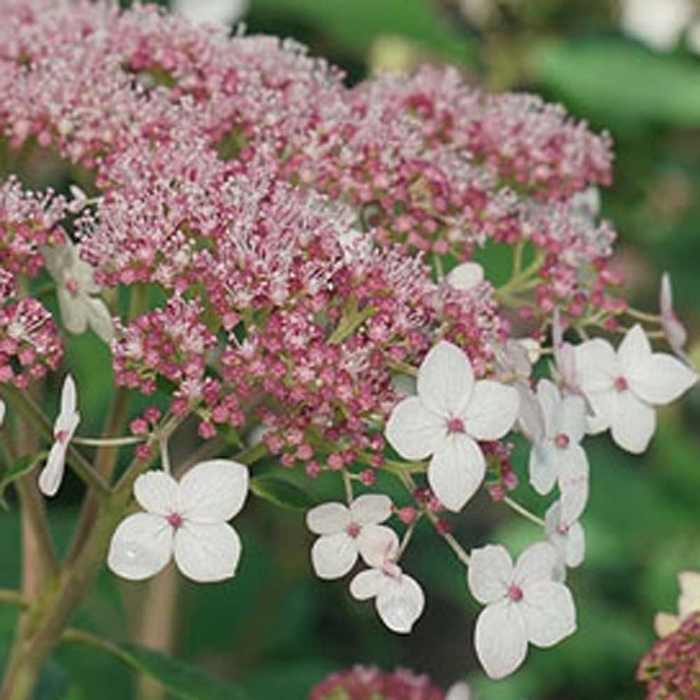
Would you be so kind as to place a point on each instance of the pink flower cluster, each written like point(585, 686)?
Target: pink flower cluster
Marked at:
point(286, 220)
point(671, 669)
point(369, 683)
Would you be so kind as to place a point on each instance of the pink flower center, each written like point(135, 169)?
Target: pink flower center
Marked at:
point(392, 569)
point(621, 384)
point(353, 529)
point(175, 520)
point(72, 286)
point(562, 440)
point(562, 528)
point(61, 436)
point(455, 425)
point(515, 593)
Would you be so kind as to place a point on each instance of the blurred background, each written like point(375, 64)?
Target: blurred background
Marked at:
point(630, 67)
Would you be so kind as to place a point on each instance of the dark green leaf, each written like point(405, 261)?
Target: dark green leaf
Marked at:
point(280, 492)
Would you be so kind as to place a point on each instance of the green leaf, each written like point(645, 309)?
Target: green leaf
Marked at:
point(280, 492)
point(179, 678)
point(618, 81)
point(22, 466)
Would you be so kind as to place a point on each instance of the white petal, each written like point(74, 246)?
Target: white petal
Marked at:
point(2, 412)
point(207, 552)
point(465, 276)
point(689, 599)
point(377, 545)
point(445, 380)
point(400, 602)
point(370, 509)
point(535, 564)
point(550, 400)
point(575, 550)
point(456, 471)
point(633, 423)
point(66, 423)
point(213, 491)
point(52, 474)
point(549, 613)
point(543, 467)
point(492, 410)
point(490, 573)
point(366, 584)
point(156, 492)
point(634, 349)
point(334, 555)
point(597, 366)
point(328, 518)
point(573, 482)
point(603, 405)
point(100, 319)
point(571, 544)
point(572, 418)
point(141, 546)
point(74, 313)
point(459, 691)
point(675, 332)
point(69, 396)
point(414, 431)
point(223, 12)
point(530, 417)
point(661, 379)
point(500, 639)
point(665, 624)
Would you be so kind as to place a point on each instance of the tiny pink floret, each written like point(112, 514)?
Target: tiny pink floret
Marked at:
point(455, 425)
point(562, 441)
point(354, 530)
point(515, 593)
point(175, 521)
point(621, 384)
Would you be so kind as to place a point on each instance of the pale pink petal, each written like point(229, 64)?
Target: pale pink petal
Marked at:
point(445, 380)
point(597, 366)
point(141, 546)
point(366, 584)
point(377, 545)
point(456, 471)
point(328, 518)
point(633, 424)
point(549, 613)
point(536, 563)
point(206, 552)
point(414, 431)
point(661, 379)
point(490, 573)
point(52, 474)
point(492, 410)
point(500, 639)
point(543, 467)
point(333, 555)
point(156, 492)
point(370, 509)
point(213, 491)
point(400, 602)
point(573, 482)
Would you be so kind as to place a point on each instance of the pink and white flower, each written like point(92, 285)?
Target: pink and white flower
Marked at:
point(445, 420)
point(399, 599)
point(623, 387)
point(185, 520)
point(346, 532)
point(524, 604)
point(63, 430)
point(565, 535)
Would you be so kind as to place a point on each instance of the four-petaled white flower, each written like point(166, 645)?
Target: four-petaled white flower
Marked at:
point(76, 289)
point(674, 330)
point(559, 457)
point(688, 604)
point(447, 417)
point(524, 604)
point(399, 599)
point(186, 519)
point(63, 430)
point(346, 532)
point(566, 536)
point(623, 387)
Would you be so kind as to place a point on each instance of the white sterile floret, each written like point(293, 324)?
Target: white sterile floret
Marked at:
point(346, 532)
point(559, 457)
point(187, 520)
point(674, 330)
point(623, 387)
point(566, 536)
point(524, 604)
point(459, 691)
point(447, 417)
point(688, 604)
point(399, 599)
point(63, 430)
point(76, 289)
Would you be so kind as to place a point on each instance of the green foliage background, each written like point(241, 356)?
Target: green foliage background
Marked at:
point(275, 628)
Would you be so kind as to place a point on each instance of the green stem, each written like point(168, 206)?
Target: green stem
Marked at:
point(523, 511)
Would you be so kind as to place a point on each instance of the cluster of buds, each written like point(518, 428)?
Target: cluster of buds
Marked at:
point(301, 261)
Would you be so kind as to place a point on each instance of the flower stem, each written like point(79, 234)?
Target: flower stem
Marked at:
point(523, 511)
